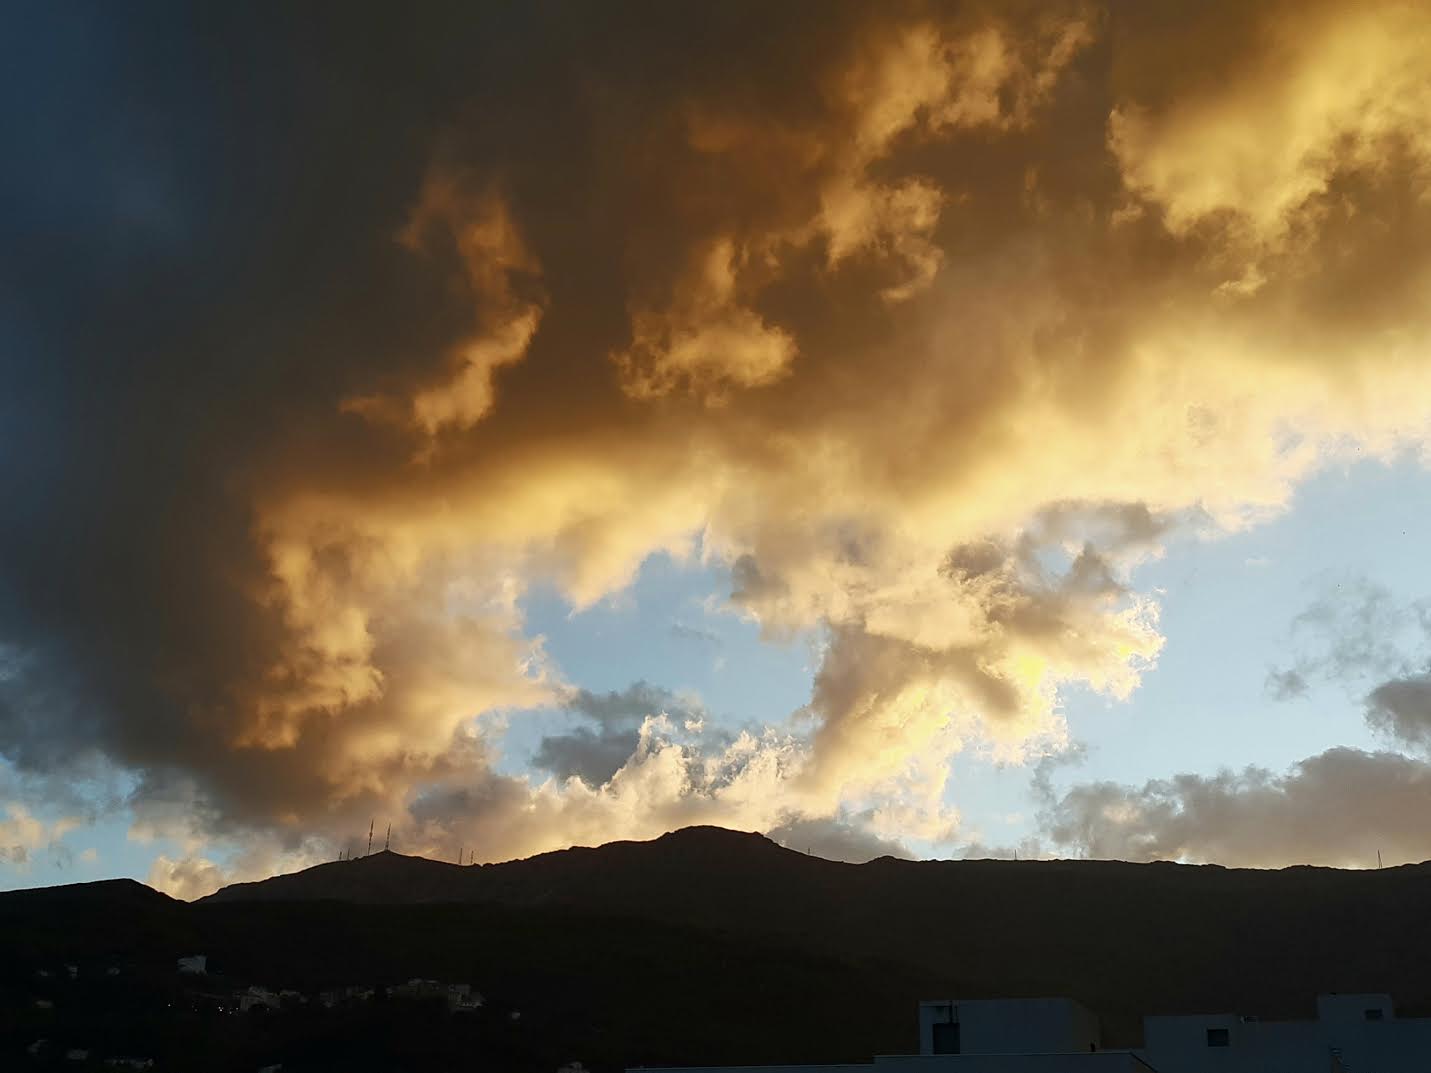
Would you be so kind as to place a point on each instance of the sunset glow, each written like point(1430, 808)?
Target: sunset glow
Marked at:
point(898, 427)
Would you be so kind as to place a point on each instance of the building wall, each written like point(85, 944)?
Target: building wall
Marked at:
point(1053, 1036)
point(1011, 1026)
point(1380, 1045)
point(1101, 1062)
point(1084, 1062)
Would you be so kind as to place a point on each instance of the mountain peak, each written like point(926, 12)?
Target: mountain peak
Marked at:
point(120, 891)
point(708, 835)
point(387, 876)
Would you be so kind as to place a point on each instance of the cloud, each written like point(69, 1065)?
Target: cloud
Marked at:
point(872, 305)
point(1286, 685)
point(1401, 709)
point(22, 833)
point(1361, 633)
point(1263, 149)
point(836, 839)
point(673, 778)
point(707, 344)
point(1337, 808)
point(595, 754)
point(472, 217)
point(187, 877)
point(687, 632)
point(1358, 630)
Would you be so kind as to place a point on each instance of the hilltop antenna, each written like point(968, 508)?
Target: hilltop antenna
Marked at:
point(388, 838)
point(1378, 858)
point(370, 837)
point(460, 854)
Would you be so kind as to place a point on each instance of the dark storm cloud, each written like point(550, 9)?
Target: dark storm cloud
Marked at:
point(327, 332)
point(192, 199)
point(199, 263)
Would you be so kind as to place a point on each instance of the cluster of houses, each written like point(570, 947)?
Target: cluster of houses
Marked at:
point(459, 998)
point(43, 1048)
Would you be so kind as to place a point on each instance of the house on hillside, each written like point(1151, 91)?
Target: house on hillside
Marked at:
point(339, 995)
point(258, 998)
point(418, 988)
point(461, 998)
point(1352, 1034)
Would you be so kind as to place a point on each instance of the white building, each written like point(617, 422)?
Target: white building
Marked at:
point(1352, 1034)
point(1007, 1026)
point(1044, 1035)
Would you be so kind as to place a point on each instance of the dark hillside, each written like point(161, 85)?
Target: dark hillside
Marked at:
point(702, 946)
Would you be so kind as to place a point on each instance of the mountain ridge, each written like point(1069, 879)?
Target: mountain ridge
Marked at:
point(705, 845)
point(771, 943)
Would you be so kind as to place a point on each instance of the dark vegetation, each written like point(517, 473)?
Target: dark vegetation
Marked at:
point(705, 946)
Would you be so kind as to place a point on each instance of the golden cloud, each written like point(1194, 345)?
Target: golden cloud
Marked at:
point(928, 338)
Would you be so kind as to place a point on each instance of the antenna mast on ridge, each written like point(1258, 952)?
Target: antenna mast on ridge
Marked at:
point(388, 838)
point(370, 836)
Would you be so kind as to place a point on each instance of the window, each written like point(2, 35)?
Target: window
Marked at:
point(1372, 1015)
point(1218, 1037)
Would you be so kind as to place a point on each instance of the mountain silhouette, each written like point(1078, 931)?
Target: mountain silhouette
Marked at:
point(1173, 935)
point(787, 957)
point(739, 865)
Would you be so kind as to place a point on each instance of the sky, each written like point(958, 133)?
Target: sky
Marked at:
point(937, 430)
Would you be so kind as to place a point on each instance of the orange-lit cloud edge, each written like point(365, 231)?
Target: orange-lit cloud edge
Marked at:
point(989, 285)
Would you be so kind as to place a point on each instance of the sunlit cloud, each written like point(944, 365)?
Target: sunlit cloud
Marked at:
point(928, 331)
